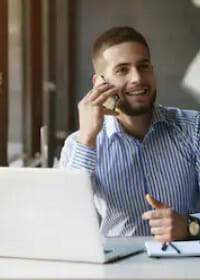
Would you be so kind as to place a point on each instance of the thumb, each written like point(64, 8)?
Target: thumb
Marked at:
point(155, 203)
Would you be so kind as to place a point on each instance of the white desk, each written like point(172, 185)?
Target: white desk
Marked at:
point(135, 267)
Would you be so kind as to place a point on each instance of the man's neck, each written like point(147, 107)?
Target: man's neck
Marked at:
point(137, 126)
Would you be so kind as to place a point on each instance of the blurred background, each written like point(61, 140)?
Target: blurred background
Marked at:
point(45, 65)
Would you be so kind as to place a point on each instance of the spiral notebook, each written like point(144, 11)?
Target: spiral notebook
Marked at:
point(183, 249)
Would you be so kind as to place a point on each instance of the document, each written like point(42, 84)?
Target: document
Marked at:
point(173, 249)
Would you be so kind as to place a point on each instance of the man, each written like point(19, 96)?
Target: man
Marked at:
point(141, 151)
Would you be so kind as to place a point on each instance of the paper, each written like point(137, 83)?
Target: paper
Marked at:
point(186, 248)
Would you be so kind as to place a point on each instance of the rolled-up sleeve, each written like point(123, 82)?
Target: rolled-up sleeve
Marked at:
point(75, 155)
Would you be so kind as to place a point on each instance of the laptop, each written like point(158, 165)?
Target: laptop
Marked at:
point(50, 214)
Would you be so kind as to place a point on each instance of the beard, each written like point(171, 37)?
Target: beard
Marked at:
point(131, 109)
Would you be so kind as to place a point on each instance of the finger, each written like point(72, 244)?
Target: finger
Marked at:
point(166, 222)
point(103, 85)
point(93, 92)
point(155, 203)
point(160, 230)
point(104, 96)
point(163, 238)
point(88, 94)
point(157, 231)
point(156, 214)
point(97, 91)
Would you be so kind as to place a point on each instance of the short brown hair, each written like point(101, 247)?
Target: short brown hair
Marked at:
point(115, 36)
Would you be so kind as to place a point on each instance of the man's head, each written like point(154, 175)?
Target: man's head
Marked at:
point(122, 56)
point(112, 37)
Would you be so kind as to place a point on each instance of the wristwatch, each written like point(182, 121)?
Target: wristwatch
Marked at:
point(193, 226)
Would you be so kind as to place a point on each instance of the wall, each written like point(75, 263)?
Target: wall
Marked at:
point(171, 28)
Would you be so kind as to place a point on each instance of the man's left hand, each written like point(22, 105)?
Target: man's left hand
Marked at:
point(165, 223)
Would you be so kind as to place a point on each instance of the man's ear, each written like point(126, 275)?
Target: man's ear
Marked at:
point(94, 78)
point(97, 79)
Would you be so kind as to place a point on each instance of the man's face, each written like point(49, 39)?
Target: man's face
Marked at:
point(128, 67)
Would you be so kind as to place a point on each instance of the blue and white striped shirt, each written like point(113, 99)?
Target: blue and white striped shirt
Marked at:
point(166, 164)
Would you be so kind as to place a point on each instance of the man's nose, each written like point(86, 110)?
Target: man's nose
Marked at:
point(135, 76)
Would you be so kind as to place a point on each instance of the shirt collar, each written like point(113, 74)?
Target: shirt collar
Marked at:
point(113, 127)
point(158, 115)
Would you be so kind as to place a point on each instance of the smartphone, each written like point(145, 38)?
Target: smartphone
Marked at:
point(112, 102)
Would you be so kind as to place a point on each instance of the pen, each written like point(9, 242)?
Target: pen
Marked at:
point(174, 247)
point(165, 245)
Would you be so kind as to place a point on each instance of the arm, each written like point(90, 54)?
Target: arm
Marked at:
point(77, 156)
point(166, 224)
point(92, 112)
point(79, 151)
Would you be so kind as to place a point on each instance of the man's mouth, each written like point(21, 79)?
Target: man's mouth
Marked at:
point(136, 92)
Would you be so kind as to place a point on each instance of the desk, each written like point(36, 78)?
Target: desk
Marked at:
point(135, 267)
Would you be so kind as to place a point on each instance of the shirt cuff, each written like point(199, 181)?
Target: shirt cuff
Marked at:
point(197, 215)
point(83, 158)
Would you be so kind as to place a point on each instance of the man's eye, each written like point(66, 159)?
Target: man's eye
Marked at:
point(145, 67)
point(122, 70)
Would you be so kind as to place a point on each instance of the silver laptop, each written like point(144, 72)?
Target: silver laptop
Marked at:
point(50, 214)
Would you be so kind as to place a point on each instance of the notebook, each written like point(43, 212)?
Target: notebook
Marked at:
point(50, 214)
point(185, 248)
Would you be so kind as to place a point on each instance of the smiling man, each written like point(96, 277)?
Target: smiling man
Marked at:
point(145, 159)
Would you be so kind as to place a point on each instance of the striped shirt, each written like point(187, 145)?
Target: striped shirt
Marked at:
point(165, 164)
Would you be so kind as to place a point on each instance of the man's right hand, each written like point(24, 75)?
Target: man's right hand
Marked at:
point(91, 113)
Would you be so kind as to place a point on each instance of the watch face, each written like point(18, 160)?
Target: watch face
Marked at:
point(194, 228)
